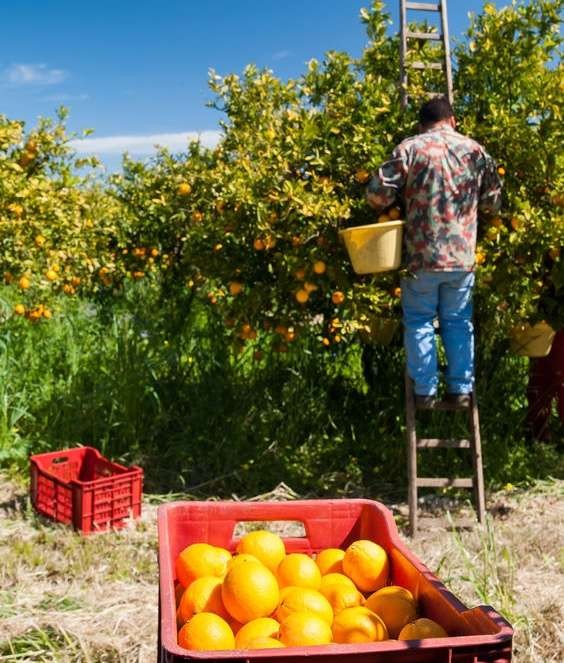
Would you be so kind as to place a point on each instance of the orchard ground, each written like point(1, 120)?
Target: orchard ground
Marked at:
point(72, 598)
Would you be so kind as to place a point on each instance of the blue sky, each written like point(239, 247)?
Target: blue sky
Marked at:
point(135, 71)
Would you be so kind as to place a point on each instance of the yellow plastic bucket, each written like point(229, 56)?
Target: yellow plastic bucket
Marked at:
point(374, 248)
point(532, 341)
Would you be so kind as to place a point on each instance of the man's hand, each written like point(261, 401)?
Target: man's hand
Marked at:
point(377, 201)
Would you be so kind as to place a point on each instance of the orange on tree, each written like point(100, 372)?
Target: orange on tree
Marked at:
point(24, 283)
point(366, 564)
point(319, 267)
point(19, 309)
point(362, 176)
point(259, 244)
point(184, 189)
point(235, 287)
point(206, 632)
point(338, 297)
point(310, 287)
point(394, 213)
point(301, 296)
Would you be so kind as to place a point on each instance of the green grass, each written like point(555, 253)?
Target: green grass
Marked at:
point(155, 382)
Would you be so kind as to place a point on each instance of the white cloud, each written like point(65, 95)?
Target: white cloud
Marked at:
point(281, 55)
point(144, 144)
point(33, 74)
point(63, 97)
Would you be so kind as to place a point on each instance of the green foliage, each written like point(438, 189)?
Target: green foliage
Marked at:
point(221, 338)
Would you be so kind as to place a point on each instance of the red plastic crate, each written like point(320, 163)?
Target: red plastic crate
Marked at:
point(81, 487)
point(478, 635)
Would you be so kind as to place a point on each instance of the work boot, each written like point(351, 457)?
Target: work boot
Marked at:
point(425, 402)
point(460, 400)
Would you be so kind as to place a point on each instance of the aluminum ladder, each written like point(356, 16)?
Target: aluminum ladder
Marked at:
point(406, 35)
point(414, 443)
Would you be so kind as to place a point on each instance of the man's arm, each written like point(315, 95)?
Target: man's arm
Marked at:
point(386, 184)
point(490, 191)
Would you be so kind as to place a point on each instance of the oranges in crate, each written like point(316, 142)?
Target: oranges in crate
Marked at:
point(263, 596)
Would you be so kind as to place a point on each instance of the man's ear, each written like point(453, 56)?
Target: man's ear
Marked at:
point(452, 121)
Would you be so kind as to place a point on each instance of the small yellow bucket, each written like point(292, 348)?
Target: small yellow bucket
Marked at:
point(374, 248)
point(532, 341)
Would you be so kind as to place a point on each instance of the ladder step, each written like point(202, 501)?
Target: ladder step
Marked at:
point(426, 65)
point(432, 36)
point(438, 443)
point(454, 524)
point(434, 482)
point(424, 6)
point(442, 405)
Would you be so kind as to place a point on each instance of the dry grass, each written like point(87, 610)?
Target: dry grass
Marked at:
point(64, 597)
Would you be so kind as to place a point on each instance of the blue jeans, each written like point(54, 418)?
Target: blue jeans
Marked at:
point(448, 296)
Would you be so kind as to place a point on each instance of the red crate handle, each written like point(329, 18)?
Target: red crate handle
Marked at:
point(60, 460)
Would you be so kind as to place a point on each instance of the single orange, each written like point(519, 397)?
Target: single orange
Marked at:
point(206, 632)
point(330, 560)
point(304, 599)
point(301, 296)
point(299, 570)
point(198, 560)
point(422, 628)
point(341, 596)
point(358, 624)
point(203, 595)
point(319, 267)
point(395, 606)
point(249, 591)
point(333, 578)
point(304, 629)
point(366, 564)
point(266, 546)
point(338, 297)
point(263, 627)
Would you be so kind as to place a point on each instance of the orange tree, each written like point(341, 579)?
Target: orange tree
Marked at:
point(57, 226)
point(252, 225)
point(249, 231)
point(510, 91)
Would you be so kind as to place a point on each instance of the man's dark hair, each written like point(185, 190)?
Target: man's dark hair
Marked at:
point(435, 110)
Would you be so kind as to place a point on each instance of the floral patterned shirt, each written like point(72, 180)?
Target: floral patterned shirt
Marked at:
point(443, 178)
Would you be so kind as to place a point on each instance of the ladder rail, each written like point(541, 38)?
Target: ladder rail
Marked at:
point(446, 49)
point(443, 37)
point(473, 443)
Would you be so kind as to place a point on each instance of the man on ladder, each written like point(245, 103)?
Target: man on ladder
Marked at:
point(442, 179)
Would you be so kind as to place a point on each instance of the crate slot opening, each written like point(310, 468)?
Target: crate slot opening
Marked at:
point(294, 529)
